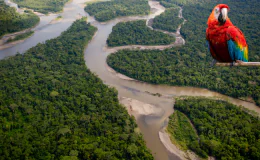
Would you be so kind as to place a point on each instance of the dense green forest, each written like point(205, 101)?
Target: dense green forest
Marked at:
point(168, 21)
point(171, 3)
point(225, 131)
point(43, 6)
point(104, 11)
point(11, 21)
point(167, 4)
point(189, 65)
point(136, 32)
point(21, 36)
point(181, 131)
point(53, 107)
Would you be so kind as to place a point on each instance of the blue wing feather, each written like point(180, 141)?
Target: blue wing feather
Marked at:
point(235, 52)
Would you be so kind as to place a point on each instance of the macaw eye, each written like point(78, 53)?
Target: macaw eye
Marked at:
point(216, 10)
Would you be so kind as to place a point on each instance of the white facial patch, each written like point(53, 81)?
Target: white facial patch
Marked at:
point(216, 13)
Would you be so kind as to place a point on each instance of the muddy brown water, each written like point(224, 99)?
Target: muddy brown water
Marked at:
point(95, 57)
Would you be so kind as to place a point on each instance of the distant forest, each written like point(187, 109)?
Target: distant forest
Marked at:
point(168, 21)
point(43, 6)
point(104, 11)
point(53, 107)
point(11, 21)
point(172, 3)
point(189, 65)
point(137, 33)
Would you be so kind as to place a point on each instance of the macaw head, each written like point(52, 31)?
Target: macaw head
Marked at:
point(219, 14)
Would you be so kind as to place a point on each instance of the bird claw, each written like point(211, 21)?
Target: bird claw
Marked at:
point(238, 61)
point(232, 63)
point(213, 62)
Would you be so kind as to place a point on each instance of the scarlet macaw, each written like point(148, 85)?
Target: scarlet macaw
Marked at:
point(226, 42)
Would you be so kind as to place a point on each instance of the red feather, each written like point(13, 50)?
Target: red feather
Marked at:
point(219, 34)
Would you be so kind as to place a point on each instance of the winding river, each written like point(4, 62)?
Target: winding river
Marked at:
point(46, 30)
point(95, 57)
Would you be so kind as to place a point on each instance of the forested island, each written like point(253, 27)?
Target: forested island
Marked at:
point(11, 21)
point(136, 33)
point(189, 65)
point(21, 36)
point(42, 6)
point(104, 11)
point(221, 130)
point(53, 107)
point(168, 21)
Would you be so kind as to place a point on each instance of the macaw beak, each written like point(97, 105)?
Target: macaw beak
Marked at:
point(223, 16)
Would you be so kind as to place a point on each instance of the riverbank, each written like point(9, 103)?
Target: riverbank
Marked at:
point(173, 149)
point(6, 37)
point(4, 44)
point(58, 19)
point(178, 42)
point(166, 140)
point(15, 40)
point(176, 133)
point(119, 75)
